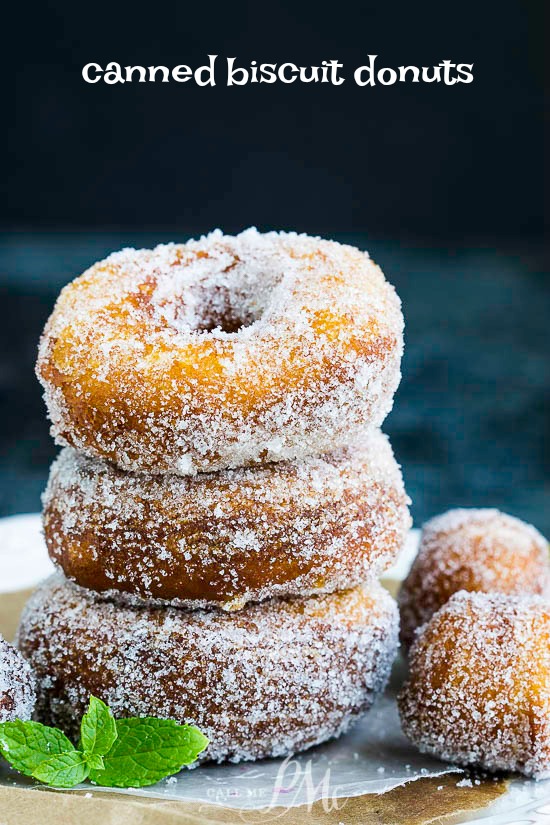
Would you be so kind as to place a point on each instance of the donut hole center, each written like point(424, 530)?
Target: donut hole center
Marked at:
point(203, 298)
point(220, 309)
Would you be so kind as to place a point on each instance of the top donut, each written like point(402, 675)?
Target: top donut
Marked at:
point(221, 352)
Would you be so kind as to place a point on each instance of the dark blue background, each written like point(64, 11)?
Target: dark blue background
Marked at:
point(422, 159)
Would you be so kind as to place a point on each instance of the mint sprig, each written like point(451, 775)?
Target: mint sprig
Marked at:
point(98, 732)
point(148, 749)
point(123, 753)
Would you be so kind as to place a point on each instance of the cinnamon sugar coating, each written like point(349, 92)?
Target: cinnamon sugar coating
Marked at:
point(475, 550)
point(267, 681)
point(221, 352)
point(478, 692)
point(227, 538)
point(17, 685)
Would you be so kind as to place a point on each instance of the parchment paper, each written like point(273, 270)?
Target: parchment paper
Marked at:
point(423, 802)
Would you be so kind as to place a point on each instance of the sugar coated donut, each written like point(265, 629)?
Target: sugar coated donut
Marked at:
point(479, 686)
point(476, 550)
point(17, 685)
point(227, 538)
point(267, 681)
point(221, 352)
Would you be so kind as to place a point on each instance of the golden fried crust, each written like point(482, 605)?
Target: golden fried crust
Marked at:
point(221, 353)
point(479, 686)
point(269, 681)
point(475, 550)
point(290, 528)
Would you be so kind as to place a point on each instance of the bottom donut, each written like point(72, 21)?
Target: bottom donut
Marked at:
point(275, 679)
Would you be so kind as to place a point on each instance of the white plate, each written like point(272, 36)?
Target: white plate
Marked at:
point(24, 559)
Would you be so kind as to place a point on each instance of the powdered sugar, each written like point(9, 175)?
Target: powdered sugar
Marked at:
point(477, 550)
point(17, 685)
point(479, 685)
point(290, 528)
point(271, 680)
point(222, 352)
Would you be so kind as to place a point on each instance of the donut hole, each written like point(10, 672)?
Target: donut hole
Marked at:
point(206, 299)
point(223, 310)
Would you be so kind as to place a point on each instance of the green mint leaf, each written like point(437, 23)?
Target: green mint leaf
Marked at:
point(97, 729)
point(25, 745)
point(95, 761)
point(124, 753)
point(63, 770)
point(147, 750)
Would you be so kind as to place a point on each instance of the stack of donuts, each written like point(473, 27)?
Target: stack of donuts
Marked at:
point(224, 502)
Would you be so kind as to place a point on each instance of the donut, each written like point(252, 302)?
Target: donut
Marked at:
point(478, 692)
point(227, 538)
point(475, 550)
point(271, 680)
point(221, 353)
point(17, 685)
